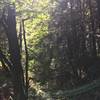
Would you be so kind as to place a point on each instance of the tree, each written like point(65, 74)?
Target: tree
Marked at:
point(16, 68)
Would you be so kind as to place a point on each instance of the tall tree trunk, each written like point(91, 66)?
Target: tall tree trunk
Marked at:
point(18, 76)
point(26, 53)
point(93, 39)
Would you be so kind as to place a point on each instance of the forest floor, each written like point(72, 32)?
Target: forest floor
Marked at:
point(6, 90)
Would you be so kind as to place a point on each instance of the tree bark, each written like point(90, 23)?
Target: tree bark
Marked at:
point(18, 75)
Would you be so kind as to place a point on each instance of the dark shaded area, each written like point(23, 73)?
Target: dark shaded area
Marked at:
point(69, 56)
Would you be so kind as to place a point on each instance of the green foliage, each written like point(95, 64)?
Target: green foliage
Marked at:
point(62, 41)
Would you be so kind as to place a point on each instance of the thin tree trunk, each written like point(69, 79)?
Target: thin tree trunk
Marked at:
point(93, 40)
point(26, 65)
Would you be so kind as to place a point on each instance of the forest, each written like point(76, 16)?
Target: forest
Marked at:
point(49, 49)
